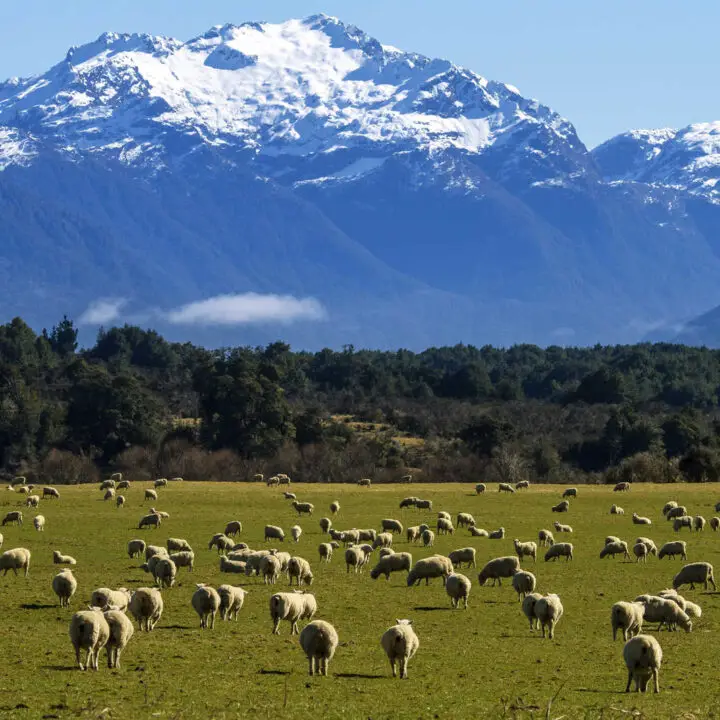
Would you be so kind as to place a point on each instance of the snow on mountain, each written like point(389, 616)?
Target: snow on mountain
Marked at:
point(298, 88)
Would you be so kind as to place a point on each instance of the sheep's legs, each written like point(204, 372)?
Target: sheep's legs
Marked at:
point(629, 682)
point(656, 678)
point(403, 668)
point(392, 666)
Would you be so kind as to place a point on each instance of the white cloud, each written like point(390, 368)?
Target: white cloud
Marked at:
point(102, 311)
point(247, 308)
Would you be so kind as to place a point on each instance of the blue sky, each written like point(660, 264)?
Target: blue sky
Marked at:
point(606, 65)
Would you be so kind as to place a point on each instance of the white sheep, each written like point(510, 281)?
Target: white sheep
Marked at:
point(135, 548)
point(671, 549)
point(427, 568)
point(692, 610)
point(355, 558)
point(395, 562)
point(222, 542)
point(681, 522)
point(39, 522)
point(150, 494)
point(463, 555)
point(676, 512)
point(615, 548)
point(412, 534)
point(549, 610)
point(383, 540)
point(523, 583)
point(639, 520)
point(319, 640)
point(570, 492)
point(334, 507)
point(146, 606)
point(444, 526)
point(671, 594)
point(64, 586)
point(120, 501)
point(714, 523)
point(160, 513)
point(643, 657)
point(289, 496)
point(303, 508)
point(273, 532)
point(228, 565)
point(664, 610)
point(699, 523)
point(522, 484)
point(391, 526)
point(292, 607)
point(628, 617)
point(559, 550)
point(153, 550)
point(616, 510)
point(178, 545)
point(457, 587)
point(641, 551)
point(184, 558)
point(109, 494)
point(465, 520)
point(325, 524)
point(123, 485)
point(363, 482)
point(151, 520)
point(444, 515)
point(16, 559)
point(478, 532)
point(60, 559)
point(561, 507)
point(699, 572)
point(14, 516)
point(325, 550)
point(121, 630)
point(233, 528)
point(50, 492)
point(105, 598)
point(559, 527)
point(506, 487)
point(408, 502)
point(498, 534)
point(525, 549)
point(295, 532)
point(299, 568)
point(528, 608)
point(498, 568)
point(270, 569)
point(428, 538)
point(231, 601)
point(400, 644)
point(669, 506)
point(480, 488)
point(206, 603)
point(622, 487)
point(546, 538)
point(165, 572)
point(652, 548)
point(89, 631)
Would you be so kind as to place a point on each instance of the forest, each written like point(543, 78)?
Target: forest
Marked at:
point(147, 407)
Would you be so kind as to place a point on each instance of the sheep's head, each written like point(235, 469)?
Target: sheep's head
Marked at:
point(403, 622)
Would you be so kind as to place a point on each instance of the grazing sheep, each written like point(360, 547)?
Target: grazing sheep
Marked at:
point(162, 515)
point(303, 508)
point(423, 504)
point(50, 492)
point(325, 550)
point(121, 630)
point(444, 516)
point(639, 520)
point(525, 549)
point(699, 523)
point(334, 507)
point(64, 586)
point(295, 533)
point(570, 492)
point(289, 496)
point(408, 502)
point(463, 555)
point(480, 488)
point(233, 528)
point(232, 566)
point(561, 507)
point(367, 535)
point(400, 644)
point(325, 524)
point(25, 490)
point(151, 520)
point(664, 610)
point(641, 551)
point(222, 542)
point(293, 607)
point(252, 559)
point(628, 617)
point(178, 545)
point(120, 501)
point(270, 569)
point(715, 523)
point(612, 539)
point(105, 484)
point(109, 494)
point(319, 639)
point(146, 606)
point(465, 520)
point(231, 601)
point(363, 482)
point(457, 587)
point(32, 501)
point(274, 480)
point(428, 538)
point(392, 526)
point(676, 512)
point(616, 510)
point(105, 598)
point(153, 550)
point(478, 532)
point(60, 559)
point(622, 487)
point(2, 539)
point(681, 522)
point(384, 552)
point(559, 550)
point(522, 484)
point(506, 487)
point(699, 572)
point(670, 594)
point(444, 527)
point(355, 558)
point(384, 539)
point(89, 631)
point(643, 657)
point(669, 506)
point(615, 548)
point(150, 494)
point(273, 532)
point(671, 549)
point(396, 562)
point(412, 534)
point(498, 534)
point(523, 582)
point(299, 568)
point(164, 572)
point(116, 476)
point(432, 567)
point(123, 485)
point(528, 608)
point(284, 479)
point(546, 538)
point(549, 610)
point(206, 603)
point(39, 522)
point(184, 558)
point(652, 548)
point(498, 568)
point(692, 610)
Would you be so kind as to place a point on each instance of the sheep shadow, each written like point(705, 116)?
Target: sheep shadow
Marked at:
point(596, 691)
point(359, 676)
point(262, 671)
point(175, 627)
point(37, 606)
point(425, 608)
point(60, 668)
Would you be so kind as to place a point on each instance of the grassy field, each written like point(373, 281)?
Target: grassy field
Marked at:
point(481, 663)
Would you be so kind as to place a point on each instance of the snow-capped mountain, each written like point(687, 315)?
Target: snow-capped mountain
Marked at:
point(416, 201)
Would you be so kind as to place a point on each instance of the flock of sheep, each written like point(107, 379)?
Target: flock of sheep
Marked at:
point(105, 624)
